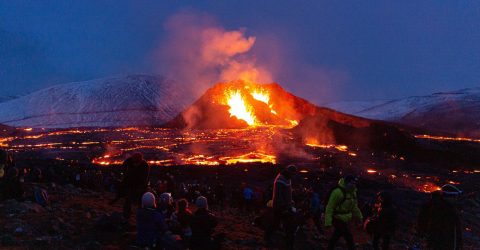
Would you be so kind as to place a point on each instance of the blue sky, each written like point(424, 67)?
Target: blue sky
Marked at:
point(331, 50)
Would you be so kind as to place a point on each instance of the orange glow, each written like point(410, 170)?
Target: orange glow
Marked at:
point(454, 182)
point(445, 138)
point(342, 148)
point(250, 158)
point(239, 109)
point(429, 188)
point(371, 171)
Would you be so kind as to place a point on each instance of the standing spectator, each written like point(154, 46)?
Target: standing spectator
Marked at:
point(203, 225)
point(439, 223)
point(11, 187)
point(283, 205)
point(316, 209)
point(382, 223)
point(135, 181)
point(342, 206)
point(220, 194)
point(248, 198)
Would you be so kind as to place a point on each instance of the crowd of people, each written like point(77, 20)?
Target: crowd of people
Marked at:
point(177, 215)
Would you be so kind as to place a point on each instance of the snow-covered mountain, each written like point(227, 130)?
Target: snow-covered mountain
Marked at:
point(456, 112)
point(134, 100)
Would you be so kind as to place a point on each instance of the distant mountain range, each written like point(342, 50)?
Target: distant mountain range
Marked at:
point(456, 112)
point(135, 100)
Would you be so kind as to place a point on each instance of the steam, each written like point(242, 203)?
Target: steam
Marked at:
point(199, 52)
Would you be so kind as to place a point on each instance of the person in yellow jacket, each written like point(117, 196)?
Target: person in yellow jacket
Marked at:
point(341, 208)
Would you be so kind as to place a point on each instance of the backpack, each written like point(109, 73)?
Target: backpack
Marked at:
point(344, 192)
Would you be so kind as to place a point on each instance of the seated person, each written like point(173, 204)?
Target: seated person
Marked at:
point(150, 223)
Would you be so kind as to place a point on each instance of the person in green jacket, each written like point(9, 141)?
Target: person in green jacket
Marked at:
point(341, 208)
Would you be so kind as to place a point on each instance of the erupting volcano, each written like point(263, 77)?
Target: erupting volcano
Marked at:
point(242, 104)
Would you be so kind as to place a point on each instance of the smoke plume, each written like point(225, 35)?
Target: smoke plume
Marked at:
point(199, 52)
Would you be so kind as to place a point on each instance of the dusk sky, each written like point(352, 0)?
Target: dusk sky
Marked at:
point(322, 50)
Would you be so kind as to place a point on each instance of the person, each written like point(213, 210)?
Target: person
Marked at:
point(382, 223)
point(3, 162)
point(316, 210)
point(203, 224)
point(150, 223)
point(41, 196)
point(248, 200)
point(184, 219)
point(439, 223)
point(283, 209)
point(266, 221)
point(220, 194)
point(166, 207)
point(135, 181)
point(11, 186)
point(342, 207)
point(36, 175)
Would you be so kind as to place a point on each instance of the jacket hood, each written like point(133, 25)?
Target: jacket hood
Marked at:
point(341, 183)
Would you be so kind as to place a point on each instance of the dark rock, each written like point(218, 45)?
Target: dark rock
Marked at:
point(7, 240)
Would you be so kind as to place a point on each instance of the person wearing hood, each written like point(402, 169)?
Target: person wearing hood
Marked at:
point(283, 209)
point(151, 225)
point(439, 223)
point(382, 223)
point(342, 207)
point(203, 224)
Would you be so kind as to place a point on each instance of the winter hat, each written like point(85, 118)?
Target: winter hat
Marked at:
point(166, 198)
point(201, 202)
point(148, 200)
point(292, 169)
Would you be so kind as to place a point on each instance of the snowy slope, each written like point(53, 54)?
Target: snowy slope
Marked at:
point(456, 112)
point(133, 100)
point(353, 107)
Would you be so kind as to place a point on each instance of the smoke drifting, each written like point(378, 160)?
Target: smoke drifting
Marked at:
point(199, 52)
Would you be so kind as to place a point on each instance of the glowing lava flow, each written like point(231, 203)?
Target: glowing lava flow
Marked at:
point(239, 109)
point(445, 138)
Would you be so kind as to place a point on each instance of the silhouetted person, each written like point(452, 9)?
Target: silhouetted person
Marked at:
point(203, 225)
point(382, 223)
point(283, 205)
point(166, 207)
point(316, 209)
point(342, 206)
point(35, 175)
point(11, 187)
point(3, 163)
point(439, 222)
point(220, 194)
point(184, 220)
point(150, 223)
point(248, 199)
point(135, 181)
